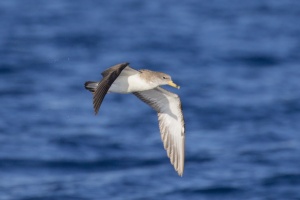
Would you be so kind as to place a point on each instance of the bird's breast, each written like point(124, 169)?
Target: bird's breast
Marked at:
point(129, 84)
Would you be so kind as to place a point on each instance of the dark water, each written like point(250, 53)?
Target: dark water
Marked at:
point(238, 66)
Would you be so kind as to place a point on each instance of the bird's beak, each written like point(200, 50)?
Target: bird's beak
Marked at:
point(171, 83)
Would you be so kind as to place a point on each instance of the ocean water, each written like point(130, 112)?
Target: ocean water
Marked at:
point(237, 63)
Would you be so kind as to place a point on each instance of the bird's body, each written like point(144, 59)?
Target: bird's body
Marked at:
point(128, 84)
point(145, 85)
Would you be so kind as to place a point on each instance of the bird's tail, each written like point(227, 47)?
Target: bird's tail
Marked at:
point(91, 86)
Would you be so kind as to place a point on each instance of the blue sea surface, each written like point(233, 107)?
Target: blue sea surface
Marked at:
point(238, 65)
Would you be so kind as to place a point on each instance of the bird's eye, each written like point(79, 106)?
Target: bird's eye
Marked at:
point(164, 77)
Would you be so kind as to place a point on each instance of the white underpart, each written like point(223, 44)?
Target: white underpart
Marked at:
point(131, 83)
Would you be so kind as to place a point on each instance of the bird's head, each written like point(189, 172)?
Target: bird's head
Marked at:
point(165, 79)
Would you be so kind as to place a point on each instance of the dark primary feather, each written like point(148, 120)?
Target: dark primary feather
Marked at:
point(114, 68)
point(109, 76)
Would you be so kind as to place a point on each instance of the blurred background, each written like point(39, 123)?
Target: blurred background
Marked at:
point(237, 63)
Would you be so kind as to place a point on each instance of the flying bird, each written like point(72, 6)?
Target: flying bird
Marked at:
point(145, 84)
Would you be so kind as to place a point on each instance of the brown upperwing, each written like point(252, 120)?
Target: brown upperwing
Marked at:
point(109, 76)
